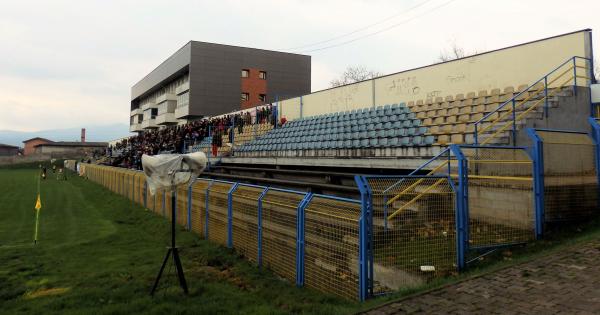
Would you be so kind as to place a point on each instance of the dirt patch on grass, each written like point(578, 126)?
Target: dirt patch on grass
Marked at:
point(46, 292)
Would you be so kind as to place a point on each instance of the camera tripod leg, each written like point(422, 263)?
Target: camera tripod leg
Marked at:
point(162, 268)
point(179, 268)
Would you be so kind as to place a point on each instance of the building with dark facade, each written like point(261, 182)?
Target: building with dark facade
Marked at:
point(205, 79)
point(8, 150)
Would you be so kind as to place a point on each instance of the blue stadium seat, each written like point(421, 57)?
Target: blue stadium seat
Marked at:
point(383, 142)
point(373, 142)
point(429, 140)
point(393, 142)
point(405, 141)
point(417, 140)
point(364, 143)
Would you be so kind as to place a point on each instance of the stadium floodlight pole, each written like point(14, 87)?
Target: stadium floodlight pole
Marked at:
point(173, 250)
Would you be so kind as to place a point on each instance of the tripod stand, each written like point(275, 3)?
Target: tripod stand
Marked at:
point(172, 250)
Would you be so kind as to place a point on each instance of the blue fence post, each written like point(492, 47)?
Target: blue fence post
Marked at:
point(230, 215)
point(596, 138)
point(259, 226)
point(365, 258)
point(462, 208)
point(538, 181)
point(514, 123)
point(206, 209)
point(300, 234)
point(574, 76)
point(546, 96)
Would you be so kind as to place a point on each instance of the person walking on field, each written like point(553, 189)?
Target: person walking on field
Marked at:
point(53, 168)
point(44, 173)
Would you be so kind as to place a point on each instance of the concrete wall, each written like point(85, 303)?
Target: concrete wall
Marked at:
point(11, 160)
point(512, 66)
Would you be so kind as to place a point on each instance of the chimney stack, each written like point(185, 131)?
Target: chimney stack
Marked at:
point(82, 135)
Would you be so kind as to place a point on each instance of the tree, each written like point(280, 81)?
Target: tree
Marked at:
point(455, 52)
point(354, 74)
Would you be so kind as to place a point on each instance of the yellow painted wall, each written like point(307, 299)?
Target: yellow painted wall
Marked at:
point(514, 66)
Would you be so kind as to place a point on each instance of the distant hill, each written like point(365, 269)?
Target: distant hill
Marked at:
point(103, 133)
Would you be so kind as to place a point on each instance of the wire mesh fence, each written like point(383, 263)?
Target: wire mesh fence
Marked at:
point(217, 211)
point(414, 230)
point(279, 238)
point(332, 245)
point(182, 205)
point(569, 176)
point(500, 196)
point(198, 207)
point(407, 232)
point(245, 209)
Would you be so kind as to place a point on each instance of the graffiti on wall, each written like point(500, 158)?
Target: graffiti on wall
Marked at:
point(404, 86)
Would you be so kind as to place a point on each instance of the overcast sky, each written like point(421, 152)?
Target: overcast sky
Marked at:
point(72, 63)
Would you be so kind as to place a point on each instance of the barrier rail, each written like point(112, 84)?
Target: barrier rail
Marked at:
point(567, 174)
point(310, 240)
point(505, 117)
point(404, 230)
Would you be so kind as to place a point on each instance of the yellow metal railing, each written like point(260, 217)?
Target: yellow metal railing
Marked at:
point(542, 85)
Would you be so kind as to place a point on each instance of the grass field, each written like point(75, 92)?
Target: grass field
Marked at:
point(99, 253)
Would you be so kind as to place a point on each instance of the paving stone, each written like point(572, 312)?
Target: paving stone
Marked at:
point(567, 282)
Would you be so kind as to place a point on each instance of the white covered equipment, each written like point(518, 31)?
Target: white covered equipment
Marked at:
point(168, 170)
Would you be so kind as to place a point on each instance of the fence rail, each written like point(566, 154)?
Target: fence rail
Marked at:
point(404, 230)
point(310, 240)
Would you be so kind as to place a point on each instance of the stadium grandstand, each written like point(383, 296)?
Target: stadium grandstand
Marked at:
point(388, 183)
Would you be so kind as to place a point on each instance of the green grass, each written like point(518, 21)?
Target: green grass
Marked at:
point(99, 253)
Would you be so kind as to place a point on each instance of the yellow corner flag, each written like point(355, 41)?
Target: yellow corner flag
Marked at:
point(38, 203)
point(38, 206)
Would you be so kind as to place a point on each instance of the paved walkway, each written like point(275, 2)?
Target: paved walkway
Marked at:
point(567, 282)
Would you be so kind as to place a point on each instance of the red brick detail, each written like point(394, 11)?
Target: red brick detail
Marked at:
point(254, 86)
point(29, 145)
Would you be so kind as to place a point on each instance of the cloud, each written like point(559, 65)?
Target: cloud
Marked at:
point(72, 63)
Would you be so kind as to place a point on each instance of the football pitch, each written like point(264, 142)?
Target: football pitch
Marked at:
point(99, 253)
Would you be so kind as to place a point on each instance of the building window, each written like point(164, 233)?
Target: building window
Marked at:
point(262, 97)
point(245, 96)
point(262, 75)
point(245, 73)
point(153, 113)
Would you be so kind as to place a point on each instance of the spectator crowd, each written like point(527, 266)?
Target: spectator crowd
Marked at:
point(174, 139)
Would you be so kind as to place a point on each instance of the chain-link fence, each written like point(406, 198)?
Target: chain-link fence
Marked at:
point(568, 173)
point(404, 231)
point(413, 230)
point(501, 205)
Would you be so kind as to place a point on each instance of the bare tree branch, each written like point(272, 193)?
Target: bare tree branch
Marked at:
point(354, 74)
point(456, 52)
